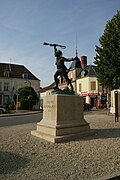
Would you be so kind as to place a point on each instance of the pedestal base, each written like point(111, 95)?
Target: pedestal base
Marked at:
point(63, 119)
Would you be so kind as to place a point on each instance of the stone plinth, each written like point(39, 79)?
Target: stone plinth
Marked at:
point(112, 108)
point(63, 119)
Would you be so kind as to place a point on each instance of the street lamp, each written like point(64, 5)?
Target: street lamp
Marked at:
point(17, 94)
point(29, 91)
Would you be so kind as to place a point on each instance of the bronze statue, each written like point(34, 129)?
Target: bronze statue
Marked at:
point(61, 68)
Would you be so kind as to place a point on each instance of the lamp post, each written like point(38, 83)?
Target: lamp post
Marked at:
point(17, 94)
point(29, 92)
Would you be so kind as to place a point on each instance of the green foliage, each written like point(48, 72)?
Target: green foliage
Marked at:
point(108, 55)
point(27, 97)
point(9, 105)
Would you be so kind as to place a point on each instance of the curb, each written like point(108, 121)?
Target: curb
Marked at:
point(114, 176)
point(20, 114)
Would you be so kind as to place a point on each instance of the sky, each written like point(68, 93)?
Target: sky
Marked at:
point(26, 24)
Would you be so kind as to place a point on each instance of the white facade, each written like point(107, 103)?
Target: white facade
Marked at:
point(89, 88)
point(13, 77)
point(10, 86)
point(85, 85)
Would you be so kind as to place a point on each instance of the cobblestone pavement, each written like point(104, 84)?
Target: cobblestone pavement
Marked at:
point(25, 157)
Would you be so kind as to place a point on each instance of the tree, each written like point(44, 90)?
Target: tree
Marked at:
point(107, 58)
point(27, 97)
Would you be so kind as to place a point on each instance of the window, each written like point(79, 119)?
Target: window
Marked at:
point(80, 87)
point(83, 73)
point(25, 76)
point(6, 74)
point(6, 86)
point(5, 98)
point(93, 85)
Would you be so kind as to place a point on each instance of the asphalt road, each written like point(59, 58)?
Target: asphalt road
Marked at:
point(32, 118)
point(18, 120)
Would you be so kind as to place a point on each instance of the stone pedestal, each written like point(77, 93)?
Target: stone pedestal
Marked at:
point(112, 108)
point(63, 119)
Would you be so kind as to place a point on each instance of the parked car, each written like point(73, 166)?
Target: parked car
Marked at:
point(87, 106)
point(2, 109)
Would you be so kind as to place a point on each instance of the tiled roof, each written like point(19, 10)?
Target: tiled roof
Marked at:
point(90, 71)
point(47, 87)
point(76, 63)
point(15, 71)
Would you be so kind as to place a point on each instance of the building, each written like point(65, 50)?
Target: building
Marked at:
point(13, 77)
point(85, 83)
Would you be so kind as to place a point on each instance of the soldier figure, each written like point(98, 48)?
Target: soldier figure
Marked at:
point(61, 68)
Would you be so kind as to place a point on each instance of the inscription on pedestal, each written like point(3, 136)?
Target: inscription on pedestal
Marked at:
point(49, 109)
point(49, 106)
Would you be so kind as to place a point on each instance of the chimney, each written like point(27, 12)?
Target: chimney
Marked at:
point(83, 60)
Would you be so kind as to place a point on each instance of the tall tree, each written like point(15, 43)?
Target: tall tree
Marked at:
point(107, 57)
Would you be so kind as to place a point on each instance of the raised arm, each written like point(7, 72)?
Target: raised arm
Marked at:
point(68, 59)
point(55, 51)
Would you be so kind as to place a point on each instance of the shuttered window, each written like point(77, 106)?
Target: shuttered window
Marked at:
point(93, 85)
point(80, 87)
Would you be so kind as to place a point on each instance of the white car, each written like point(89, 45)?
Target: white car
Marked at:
point(2, 109)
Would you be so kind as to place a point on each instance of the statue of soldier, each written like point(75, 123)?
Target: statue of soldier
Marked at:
point(61, 68)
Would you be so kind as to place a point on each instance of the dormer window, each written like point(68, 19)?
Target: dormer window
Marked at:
point(25, 76)
point(7, 74)
point(7, 71)
point(83, 73)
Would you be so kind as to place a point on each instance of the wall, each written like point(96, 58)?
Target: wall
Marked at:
point(85, 82)
point(15, 84)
